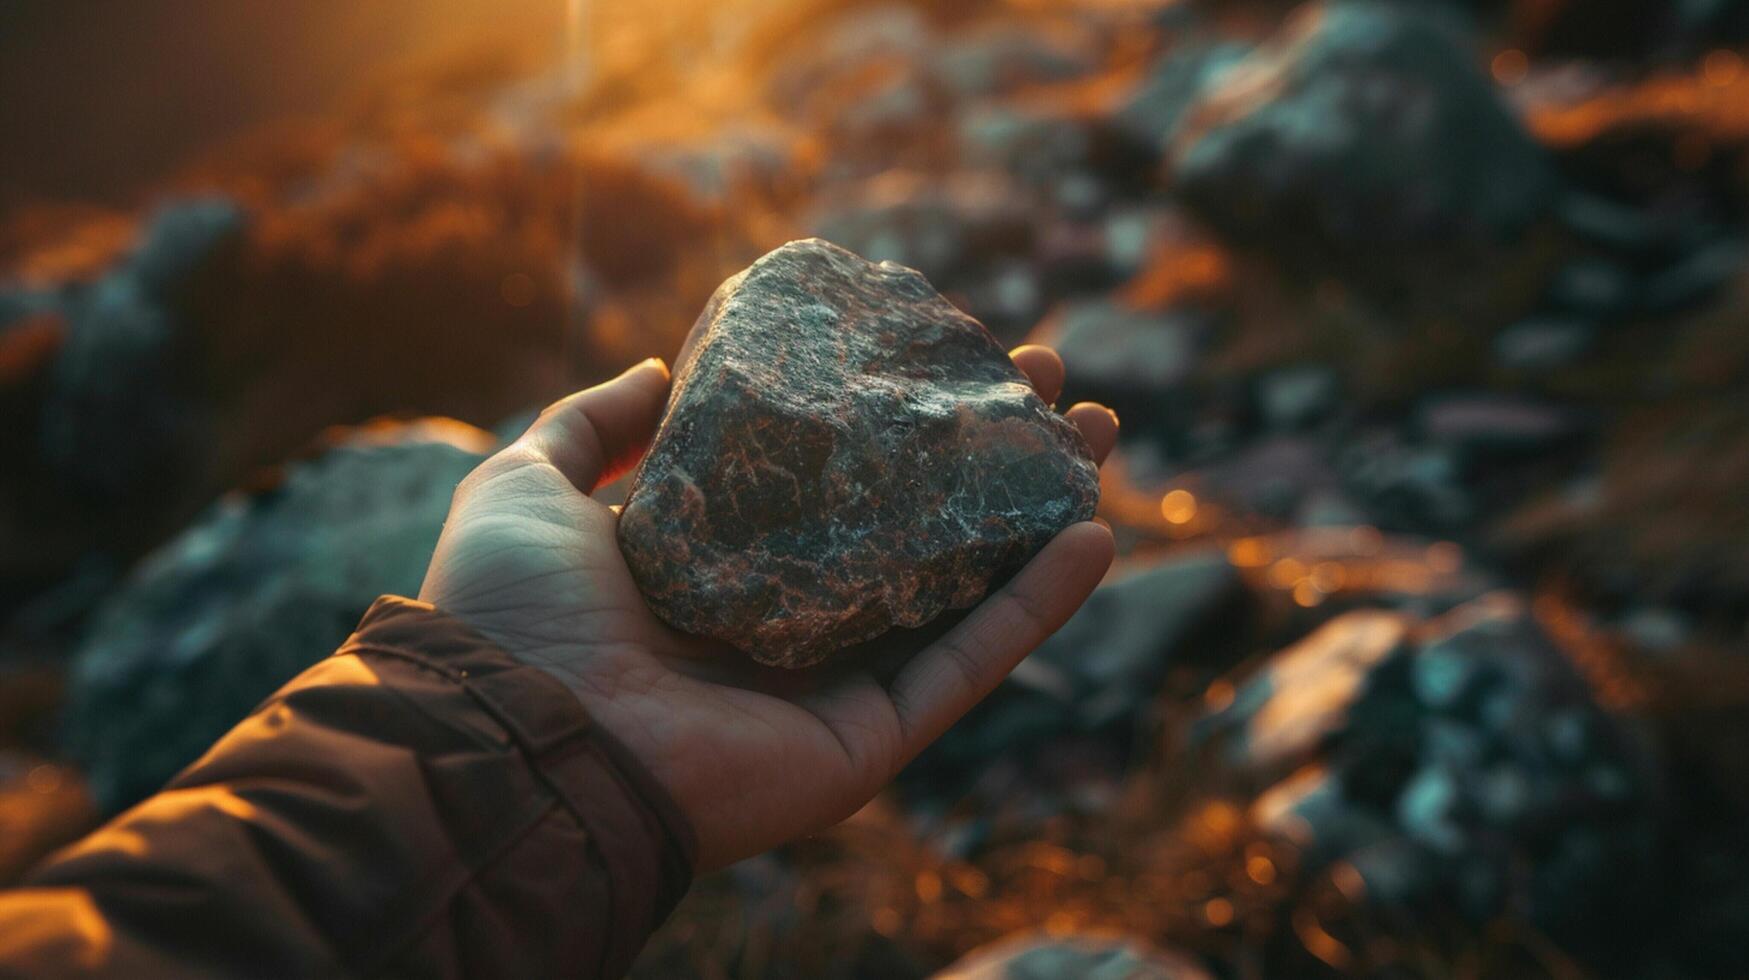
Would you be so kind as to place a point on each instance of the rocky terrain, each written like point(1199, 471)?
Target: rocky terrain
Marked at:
point(1427, 320)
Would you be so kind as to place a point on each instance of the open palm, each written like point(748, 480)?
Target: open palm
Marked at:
point(753, 755)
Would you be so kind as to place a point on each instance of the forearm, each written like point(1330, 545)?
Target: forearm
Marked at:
point(418, 803)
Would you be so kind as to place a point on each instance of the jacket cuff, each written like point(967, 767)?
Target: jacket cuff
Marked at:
point(642, 839)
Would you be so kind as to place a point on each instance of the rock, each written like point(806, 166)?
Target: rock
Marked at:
point(892, 120)
point(732, 165)
point(1595, 288)
point(1129, 234)
point(1003, 57)
point(1280, 719)
point(1298, 397)
point(864, 84)
point(950, 230)
point(1096, 675)
point(1458, 763)
point(844, 453)
point(1151, 113)
point(854, 43)
point(1658, 629)
point(1545, 343)
point(1275, 475)
point(1006, 298)
point(1694, 279)
point(1461, 456)
point(19, 304)
point(33, 330)
point(1073, 160)
point(1135, 361)
point(257, 589)
point(977, 235)
point(1405, 483)
point(122, 416)
point(1091, 957)
point(1607, 223)
point(1362, 142)
point(1486, 426)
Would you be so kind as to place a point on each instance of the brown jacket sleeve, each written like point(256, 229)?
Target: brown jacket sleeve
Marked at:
point(418, 804)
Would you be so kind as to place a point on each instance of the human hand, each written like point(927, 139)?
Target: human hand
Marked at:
point(753, 755)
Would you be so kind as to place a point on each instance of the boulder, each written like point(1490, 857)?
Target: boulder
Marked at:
point(123, 415)
point(1457, 764)
point(1363, 143)
point(260, 587)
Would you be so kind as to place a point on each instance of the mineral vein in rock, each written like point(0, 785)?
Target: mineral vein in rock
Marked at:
point(844, 452)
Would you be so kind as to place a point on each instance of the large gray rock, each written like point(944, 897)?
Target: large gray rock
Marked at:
point(1362, 135)
point(257, 589)
point(1458, 764)
point(844, 453)
point(123, 416)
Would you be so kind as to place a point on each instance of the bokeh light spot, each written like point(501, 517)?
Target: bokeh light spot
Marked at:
point(1178, 507)
point(1510, 66)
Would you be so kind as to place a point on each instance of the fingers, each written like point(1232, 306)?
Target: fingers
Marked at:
point(1098, 426)
point(595, 435)
point(1043, 368)
point(951, 675)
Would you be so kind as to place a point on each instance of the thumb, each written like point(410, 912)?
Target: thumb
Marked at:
point(595, 435)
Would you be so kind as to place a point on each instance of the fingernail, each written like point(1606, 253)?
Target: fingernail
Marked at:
point(1114, 418)
point(655, 362)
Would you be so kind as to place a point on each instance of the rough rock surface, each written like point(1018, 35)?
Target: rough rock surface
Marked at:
point(256, 590)
point(1457, 763)
point(844, 453)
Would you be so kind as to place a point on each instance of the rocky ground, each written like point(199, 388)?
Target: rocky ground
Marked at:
point(1428, 323)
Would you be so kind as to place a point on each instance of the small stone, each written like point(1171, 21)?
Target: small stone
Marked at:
point(844, 452)
point(1039, 956)
point(1483, 425)
point(1135, 361)
point(1694, 279)
point(950, 229)
point(1544, 343)
point(1298, 397)
point(1002, 58)
point(1596, 288)
point(1656, 628)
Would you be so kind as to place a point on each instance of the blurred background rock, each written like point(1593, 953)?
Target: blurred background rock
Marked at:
point(1426, 320)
